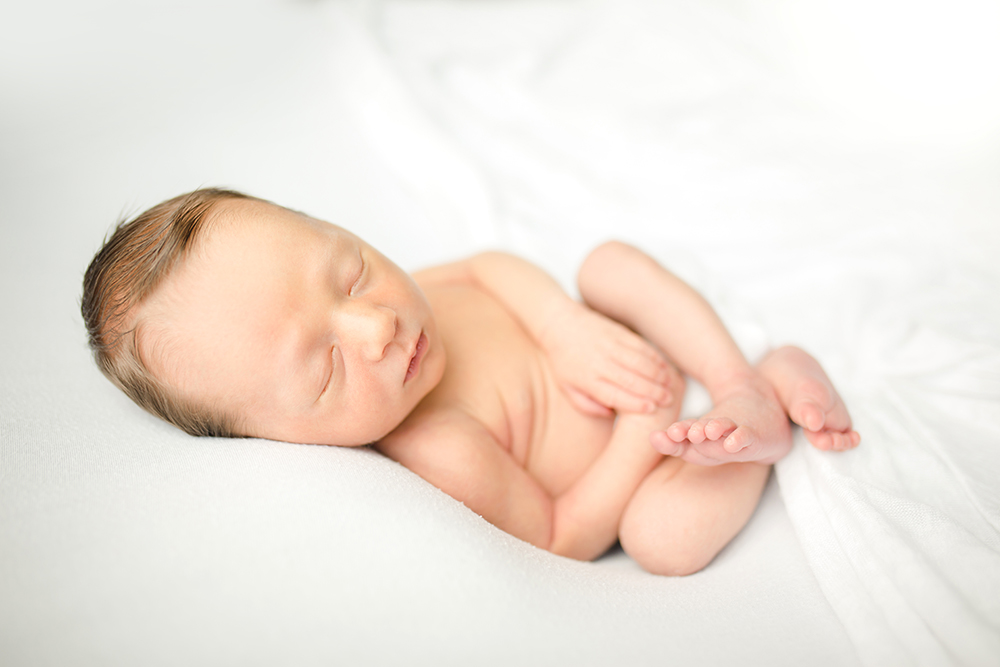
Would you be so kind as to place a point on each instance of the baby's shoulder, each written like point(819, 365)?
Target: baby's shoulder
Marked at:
point(448, 447)
point(423, 431)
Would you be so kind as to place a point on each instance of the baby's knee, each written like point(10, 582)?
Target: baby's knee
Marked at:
point(608, 259)
point(667, 558)
point(662, 545)
point(613, 250)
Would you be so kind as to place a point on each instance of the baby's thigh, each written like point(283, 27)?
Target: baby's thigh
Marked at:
point(683, 514)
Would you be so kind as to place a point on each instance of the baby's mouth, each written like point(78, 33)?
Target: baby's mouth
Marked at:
point(418, 354)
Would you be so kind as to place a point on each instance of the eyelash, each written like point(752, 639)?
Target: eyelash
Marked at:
point(329, 378)
point(361, 274)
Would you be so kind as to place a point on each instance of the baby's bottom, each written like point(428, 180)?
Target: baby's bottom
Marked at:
point(683, 514)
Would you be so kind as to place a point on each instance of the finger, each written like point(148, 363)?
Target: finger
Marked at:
point(614, 396)
point(645, 361)
point(586, 404)
point(639, 386)
point(635, 341)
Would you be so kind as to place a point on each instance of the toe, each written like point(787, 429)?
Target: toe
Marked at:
point(807, 414)
point(738, 440)
point(696, 434)
point(692, 455)
point(719, 428)
point(664, 444)
point(678, 432)
point(822, 440)
point(837, 418)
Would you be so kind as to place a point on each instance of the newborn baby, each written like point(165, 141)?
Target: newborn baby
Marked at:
point(555, 420)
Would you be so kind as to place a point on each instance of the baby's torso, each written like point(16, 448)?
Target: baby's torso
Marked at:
point(498, 376)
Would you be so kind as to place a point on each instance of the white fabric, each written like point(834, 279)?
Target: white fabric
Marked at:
point(435, 129)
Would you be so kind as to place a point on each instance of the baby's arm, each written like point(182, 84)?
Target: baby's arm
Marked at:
point(586, 518)
point(747, 422)
point(458, 455)
point(599, 363)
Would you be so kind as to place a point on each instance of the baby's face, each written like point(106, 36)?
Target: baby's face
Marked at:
point(300, 328)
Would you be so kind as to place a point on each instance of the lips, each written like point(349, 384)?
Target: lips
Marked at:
point(418, 354)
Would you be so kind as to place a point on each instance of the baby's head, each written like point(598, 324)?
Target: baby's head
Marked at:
point(228, 315)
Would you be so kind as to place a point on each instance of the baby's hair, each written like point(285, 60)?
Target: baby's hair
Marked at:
point(132, 263)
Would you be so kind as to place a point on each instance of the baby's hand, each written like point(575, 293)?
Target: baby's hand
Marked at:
point(602, 365)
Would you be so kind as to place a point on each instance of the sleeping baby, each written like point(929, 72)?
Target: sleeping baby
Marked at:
point(557, 421)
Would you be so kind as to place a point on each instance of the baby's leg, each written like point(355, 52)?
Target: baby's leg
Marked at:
point(682, 514)
point(809, 398)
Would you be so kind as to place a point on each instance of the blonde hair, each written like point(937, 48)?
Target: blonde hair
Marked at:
point(131, 264)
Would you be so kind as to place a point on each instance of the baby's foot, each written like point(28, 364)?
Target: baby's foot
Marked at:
point(746, 424)
point(810, 399)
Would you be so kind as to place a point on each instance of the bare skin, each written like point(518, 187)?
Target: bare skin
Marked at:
point(483, 377)
point(810, 399)
point(747, 422)
point(796, 385)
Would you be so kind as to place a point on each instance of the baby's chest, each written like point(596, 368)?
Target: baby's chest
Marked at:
point(498, 375)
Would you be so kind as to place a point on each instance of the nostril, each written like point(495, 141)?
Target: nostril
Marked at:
point(390, 329)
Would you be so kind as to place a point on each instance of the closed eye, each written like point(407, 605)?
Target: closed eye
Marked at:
point(329, 377)
point(361, 275)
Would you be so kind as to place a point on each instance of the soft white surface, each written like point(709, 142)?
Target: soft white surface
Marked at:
point(434, 129)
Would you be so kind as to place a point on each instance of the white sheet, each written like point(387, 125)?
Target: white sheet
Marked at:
point(435, 129)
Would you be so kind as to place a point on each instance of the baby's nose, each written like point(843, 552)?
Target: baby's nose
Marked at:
point(374, 329)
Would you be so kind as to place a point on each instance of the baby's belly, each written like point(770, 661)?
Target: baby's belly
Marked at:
point(568, 443)
point(498, 373)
